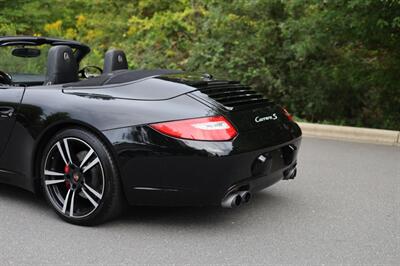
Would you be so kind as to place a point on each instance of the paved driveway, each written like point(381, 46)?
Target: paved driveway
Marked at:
point(343, 207)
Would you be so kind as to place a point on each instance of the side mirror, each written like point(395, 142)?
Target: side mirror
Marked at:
point(90, 72)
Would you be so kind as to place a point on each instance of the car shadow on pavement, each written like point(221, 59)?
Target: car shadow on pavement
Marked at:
point(156, 216)
point(201, 216)
point(17, 195)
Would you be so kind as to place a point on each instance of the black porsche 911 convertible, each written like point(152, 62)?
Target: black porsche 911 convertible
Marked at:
point(93, 139)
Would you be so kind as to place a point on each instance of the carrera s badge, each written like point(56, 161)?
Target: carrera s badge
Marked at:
point(260, 119)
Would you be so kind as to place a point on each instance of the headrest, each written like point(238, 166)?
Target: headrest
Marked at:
point(114, 60)
point(61, 65)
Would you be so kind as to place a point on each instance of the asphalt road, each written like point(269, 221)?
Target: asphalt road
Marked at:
point(342, 208)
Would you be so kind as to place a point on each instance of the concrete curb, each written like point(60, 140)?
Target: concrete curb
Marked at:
point(356, 134)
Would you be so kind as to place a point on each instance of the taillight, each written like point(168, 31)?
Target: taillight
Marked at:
point(215, 128)
point(287, 114)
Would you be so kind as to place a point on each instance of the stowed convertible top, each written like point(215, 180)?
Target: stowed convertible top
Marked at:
point(121, 76)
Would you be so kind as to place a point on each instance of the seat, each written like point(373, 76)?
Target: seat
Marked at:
point(62, 66)
point(114, 60)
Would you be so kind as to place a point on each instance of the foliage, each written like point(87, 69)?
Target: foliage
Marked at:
point(331, 60)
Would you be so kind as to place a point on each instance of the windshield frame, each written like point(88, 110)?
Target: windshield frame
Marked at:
point(80, 49)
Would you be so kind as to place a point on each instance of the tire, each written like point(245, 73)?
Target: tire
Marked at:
point(79, 178)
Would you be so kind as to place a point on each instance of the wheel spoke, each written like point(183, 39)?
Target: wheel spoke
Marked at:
point(61, 152)
point(71, 209)
point(86, 157)
point(90, 198)
point(67, 149)
point(51, 173)
point(66, 201)
point(94, 192)
point(53, 182)
point(89, 166)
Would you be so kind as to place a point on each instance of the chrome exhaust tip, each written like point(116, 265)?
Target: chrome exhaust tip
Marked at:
point(245, 195)
point(232, 201)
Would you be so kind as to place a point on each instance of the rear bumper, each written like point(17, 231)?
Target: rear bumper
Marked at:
point(159, 170)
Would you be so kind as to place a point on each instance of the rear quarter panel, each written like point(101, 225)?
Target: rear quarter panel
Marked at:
point(44, 108)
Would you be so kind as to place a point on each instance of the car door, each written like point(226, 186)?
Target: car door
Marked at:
point(10, 98)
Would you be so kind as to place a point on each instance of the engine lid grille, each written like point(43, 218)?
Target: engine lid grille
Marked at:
point(231, 94)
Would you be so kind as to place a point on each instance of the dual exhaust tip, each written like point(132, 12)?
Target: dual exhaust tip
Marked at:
point(235, 199)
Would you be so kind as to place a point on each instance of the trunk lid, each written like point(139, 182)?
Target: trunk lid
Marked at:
point(246, 108)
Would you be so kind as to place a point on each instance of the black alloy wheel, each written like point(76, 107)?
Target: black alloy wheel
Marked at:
point(80, 179)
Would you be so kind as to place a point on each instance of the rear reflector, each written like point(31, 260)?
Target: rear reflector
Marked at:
point(216, 128)
point(287, 114)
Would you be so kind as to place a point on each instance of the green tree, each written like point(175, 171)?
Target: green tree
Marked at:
point(334, 61)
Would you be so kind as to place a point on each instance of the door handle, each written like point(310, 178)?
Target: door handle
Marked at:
point(6, 112)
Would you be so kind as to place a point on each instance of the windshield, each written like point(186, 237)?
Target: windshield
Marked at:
point(13, 63)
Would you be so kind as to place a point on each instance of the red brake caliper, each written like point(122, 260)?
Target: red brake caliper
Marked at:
point(66, 171)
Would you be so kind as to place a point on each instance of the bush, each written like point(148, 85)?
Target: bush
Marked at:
point(327, 61)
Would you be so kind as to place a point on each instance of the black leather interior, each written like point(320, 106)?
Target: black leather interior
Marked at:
point(114, 60)
point(62, 66)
